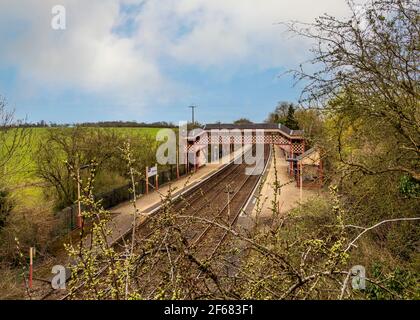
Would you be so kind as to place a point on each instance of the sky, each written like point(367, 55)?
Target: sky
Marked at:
point(148, 60)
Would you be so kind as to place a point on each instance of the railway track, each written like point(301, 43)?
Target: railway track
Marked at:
point(205, 239)
point(209, 200)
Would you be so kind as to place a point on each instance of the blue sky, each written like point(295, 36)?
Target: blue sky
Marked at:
point(148, 60)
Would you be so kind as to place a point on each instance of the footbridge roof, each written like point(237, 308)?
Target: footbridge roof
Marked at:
point(269, 127)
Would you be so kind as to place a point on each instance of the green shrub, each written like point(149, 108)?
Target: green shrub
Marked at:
point(400, 283)
point(409, 187)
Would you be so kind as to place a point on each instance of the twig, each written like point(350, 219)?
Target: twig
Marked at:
point(376, 225)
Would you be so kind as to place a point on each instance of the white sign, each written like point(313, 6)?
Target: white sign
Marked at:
point(152, 171)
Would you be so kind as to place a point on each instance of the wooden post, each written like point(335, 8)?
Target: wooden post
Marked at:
point(147, 180)
point(156, 179)
point(31, 252)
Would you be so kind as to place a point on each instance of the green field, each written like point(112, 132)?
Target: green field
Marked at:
point(25, 185)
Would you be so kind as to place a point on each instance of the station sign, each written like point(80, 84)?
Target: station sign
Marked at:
point(152, 171)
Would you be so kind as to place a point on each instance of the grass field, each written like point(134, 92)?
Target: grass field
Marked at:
point(25, 184)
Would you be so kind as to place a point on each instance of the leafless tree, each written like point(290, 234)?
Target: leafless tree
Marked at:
point(62, 148)
point(368, 72)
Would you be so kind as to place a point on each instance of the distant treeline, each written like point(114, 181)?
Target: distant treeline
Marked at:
point(104, 124)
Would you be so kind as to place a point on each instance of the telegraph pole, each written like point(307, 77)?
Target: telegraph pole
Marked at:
point(192, 111)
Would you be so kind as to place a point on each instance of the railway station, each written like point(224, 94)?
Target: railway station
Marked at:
point(214, 141)
point(209, 153)
point(219, 185)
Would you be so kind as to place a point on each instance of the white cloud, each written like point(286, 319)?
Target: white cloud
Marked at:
point(221, 34)
point(86, 54)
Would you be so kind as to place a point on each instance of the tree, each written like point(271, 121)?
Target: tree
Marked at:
point(66, 148)
point(367, 86)
point(243, 121)
point(290, 121)
point(368, 78)
point(311, 122)
point(279, 114)
point(284, 114)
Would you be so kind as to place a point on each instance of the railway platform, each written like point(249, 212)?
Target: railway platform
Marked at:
point(289, 196)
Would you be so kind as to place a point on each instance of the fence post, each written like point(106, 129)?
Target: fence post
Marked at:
point(31, 251)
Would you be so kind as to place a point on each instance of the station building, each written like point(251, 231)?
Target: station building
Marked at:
point(219, 136)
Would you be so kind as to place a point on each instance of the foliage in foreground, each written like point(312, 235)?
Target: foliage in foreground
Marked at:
point(306, 254)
